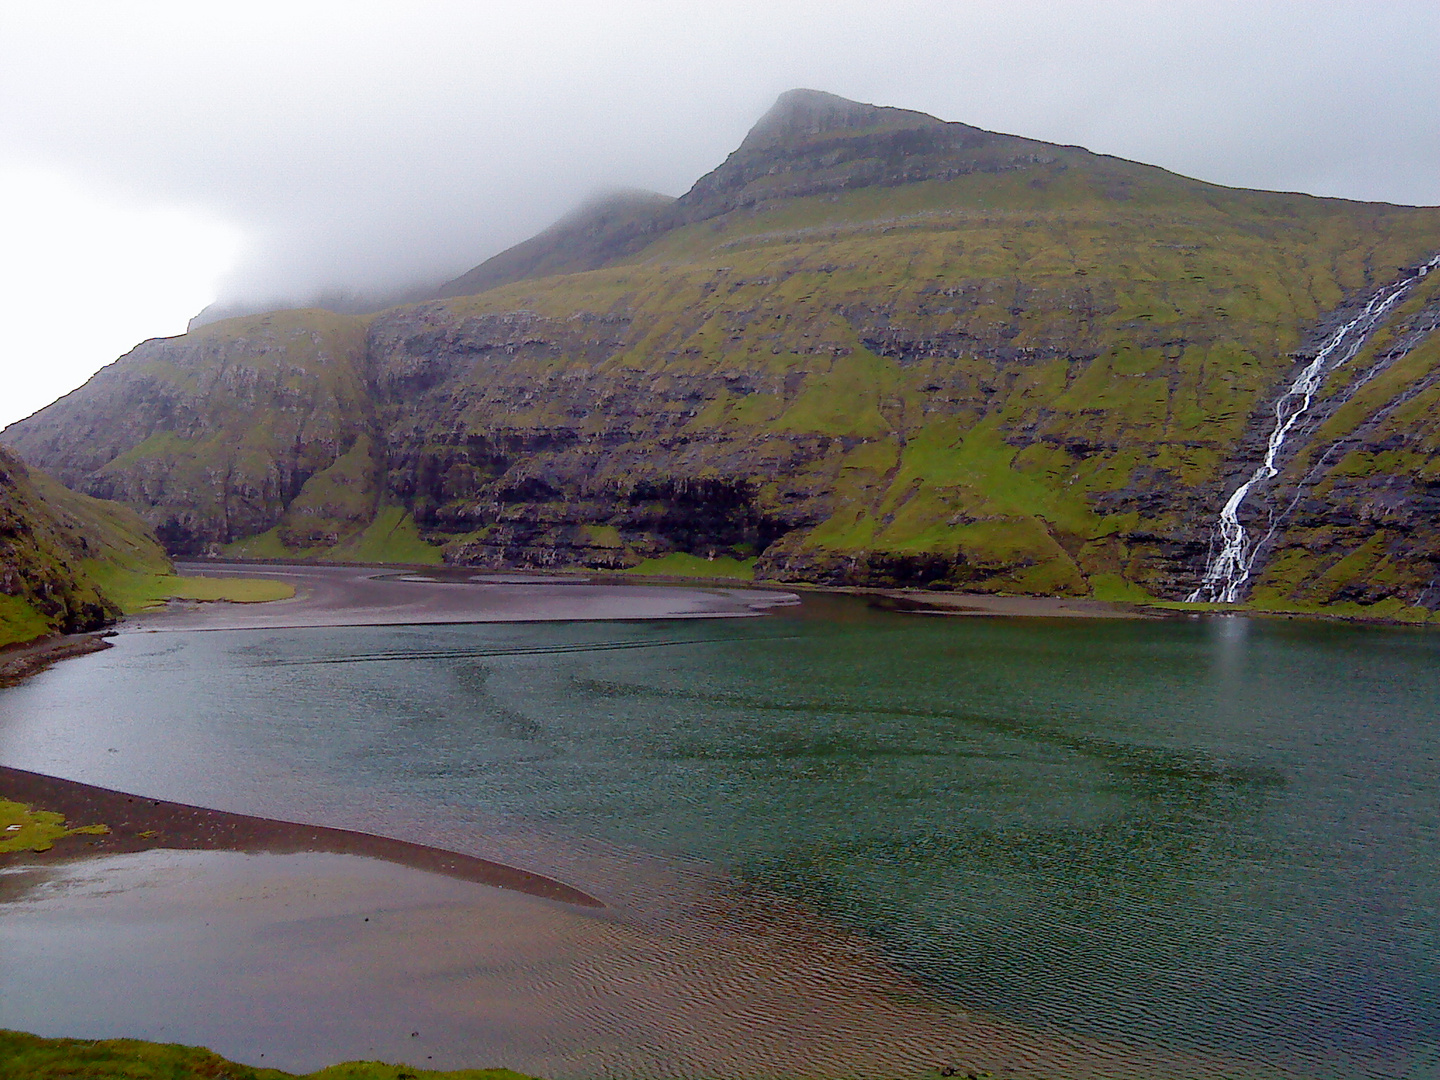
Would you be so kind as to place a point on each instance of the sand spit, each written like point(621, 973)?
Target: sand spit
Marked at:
point(380, 596)
point(140, 824)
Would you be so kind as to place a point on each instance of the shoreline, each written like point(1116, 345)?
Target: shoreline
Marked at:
point(402, 965)
point(138, 823)
point(343, 596)
point(21, 660)
point(918, 601)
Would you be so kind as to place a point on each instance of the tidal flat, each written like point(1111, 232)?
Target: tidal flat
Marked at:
point(831, 841)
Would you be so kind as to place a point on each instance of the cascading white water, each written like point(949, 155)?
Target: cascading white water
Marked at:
point(1228, 571)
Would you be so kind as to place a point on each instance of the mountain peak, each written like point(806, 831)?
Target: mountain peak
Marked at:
point(813, 143)
point(799, 115)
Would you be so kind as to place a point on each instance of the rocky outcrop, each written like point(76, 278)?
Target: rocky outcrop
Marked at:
point(813, 143)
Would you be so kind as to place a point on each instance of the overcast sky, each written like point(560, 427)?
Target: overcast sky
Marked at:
point(156, 156)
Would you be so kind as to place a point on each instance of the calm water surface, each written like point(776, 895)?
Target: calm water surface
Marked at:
point(1216, 835)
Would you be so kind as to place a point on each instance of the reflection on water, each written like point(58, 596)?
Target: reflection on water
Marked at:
point(1210, 835)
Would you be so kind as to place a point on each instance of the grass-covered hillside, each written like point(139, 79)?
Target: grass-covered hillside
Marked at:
point(870, 347)
point(66, 560)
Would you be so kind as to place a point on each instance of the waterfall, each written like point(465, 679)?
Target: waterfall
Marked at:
point(1228, 570)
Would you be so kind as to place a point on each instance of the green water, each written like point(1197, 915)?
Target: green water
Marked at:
point(1217, 834)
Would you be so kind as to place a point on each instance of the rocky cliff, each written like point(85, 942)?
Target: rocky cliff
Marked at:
point(871, 347)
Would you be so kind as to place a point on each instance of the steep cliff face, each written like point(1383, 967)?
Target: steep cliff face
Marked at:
point(56, 550)
point(996, 414)
point(242, 426)
point(871, 347)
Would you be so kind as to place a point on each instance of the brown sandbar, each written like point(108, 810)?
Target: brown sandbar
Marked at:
point(140, 824)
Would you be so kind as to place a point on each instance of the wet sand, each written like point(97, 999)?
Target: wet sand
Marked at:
point(380, 596)
point(297, 961)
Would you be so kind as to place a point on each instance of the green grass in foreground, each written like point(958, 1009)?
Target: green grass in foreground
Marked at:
point(37, 831)
point(678, 564)
point(29, 1057)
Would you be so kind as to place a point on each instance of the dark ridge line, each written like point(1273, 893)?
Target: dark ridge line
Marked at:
point(140, 824)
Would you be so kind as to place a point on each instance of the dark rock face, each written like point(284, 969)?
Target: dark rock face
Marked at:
point(503, 433)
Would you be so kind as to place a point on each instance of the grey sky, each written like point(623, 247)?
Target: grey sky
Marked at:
point(366, 145)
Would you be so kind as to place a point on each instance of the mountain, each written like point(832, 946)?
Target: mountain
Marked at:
point(871, 347)
point(62, 554)
point(596, 234)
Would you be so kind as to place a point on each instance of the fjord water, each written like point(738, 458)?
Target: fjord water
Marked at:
point(1215, 835)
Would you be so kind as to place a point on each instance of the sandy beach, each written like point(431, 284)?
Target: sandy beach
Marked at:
point(379, 596)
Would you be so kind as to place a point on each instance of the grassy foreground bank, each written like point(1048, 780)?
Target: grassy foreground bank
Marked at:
point(29, 1057)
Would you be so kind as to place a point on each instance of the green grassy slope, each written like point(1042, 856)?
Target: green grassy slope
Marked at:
point(1014, 381)
point(65, 559)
